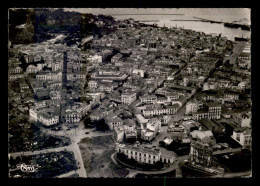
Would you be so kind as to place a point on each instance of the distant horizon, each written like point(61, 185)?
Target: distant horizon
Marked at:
point(146, 14)
point(215, 14)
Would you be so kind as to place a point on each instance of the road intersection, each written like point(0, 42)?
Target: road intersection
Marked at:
point(75, 135)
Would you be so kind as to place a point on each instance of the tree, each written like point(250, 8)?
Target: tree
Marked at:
point(162, 143)
point(87, 122)
point(101, 125)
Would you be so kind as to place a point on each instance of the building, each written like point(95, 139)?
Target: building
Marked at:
point(119, 133)
point(214, 110)
point(231, 96)
point(148, 99)
point(72, 116)
point(99, 114)
point(24, 86)
point(15, 70)
point(95, 59)
point(151, 130)
point(116, 77)
point(244, 55)
point(242, 120)
point(13, 77)
point(143, 154)
point(212, 125)
point(180, 101)
point(47, 116)
point(210, 110)
point(48, 119)
point(243, 136)
point(140, 119)
point(92, 84)
point(34, 69)
point(166, 119)
point(156, 109)
point(128, 97)
point(113, 122)
point(116, 58)
point(201, 153)
point(193, 106)
point(176, 128)
point(130, 136)
point(203, 136)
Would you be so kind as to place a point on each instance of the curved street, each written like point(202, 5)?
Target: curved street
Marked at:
point(133, 172)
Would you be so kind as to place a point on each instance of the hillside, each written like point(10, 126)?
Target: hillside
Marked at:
point(35, 25)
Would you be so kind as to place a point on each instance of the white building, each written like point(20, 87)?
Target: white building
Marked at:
point(72, 116)
point(193, 106)
point(48, 119)
point(153, 110)
point(92, 84)
point(148, 99)
point(151, 130)
point(15, 70)
point(138, 72)
point(128, 97)
point(119, 133)
point(143, 154)
point(243, 136)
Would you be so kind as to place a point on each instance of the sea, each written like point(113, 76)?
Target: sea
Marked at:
point(206, 27)
point(166, 15)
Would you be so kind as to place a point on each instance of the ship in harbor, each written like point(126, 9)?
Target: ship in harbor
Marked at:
point(241, 39)
point(230, 25)
point(235, 25)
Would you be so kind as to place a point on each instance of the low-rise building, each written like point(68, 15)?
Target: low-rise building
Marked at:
point(98, 114)
point(242, 120)
point(156, 109)
point(48, 116)
point(176, 128)
point(203, 136)
point(72, 116)
point(243, 136)
point(116, 57)
point(15, 70)
point(48, 119)
point(143, 154)
point(166, 119)
point(113, 122)
point(147, 99)
point(151, 130)
point(212, 125)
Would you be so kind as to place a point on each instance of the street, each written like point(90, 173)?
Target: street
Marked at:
point(174, 166)
point(233, 175)
point(75, 136)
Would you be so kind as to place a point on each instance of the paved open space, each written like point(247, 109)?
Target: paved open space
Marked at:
point(96, 153)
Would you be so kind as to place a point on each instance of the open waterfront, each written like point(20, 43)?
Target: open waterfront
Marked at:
point(193, 24)
point(227, 15)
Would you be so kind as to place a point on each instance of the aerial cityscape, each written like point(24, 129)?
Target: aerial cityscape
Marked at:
point(129, 93)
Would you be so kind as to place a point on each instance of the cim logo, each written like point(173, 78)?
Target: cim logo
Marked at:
point(27, 168)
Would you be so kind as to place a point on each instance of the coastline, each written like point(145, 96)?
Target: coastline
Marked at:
point(207, 26)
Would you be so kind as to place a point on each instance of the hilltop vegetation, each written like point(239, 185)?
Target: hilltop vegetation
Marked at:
point(36, 25)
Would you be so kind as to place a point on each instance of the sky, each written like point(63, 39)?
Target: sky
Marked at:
point(216, 14)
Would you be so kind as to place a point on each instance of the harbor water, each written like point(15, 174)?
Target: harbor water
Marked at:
point(206, 27)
